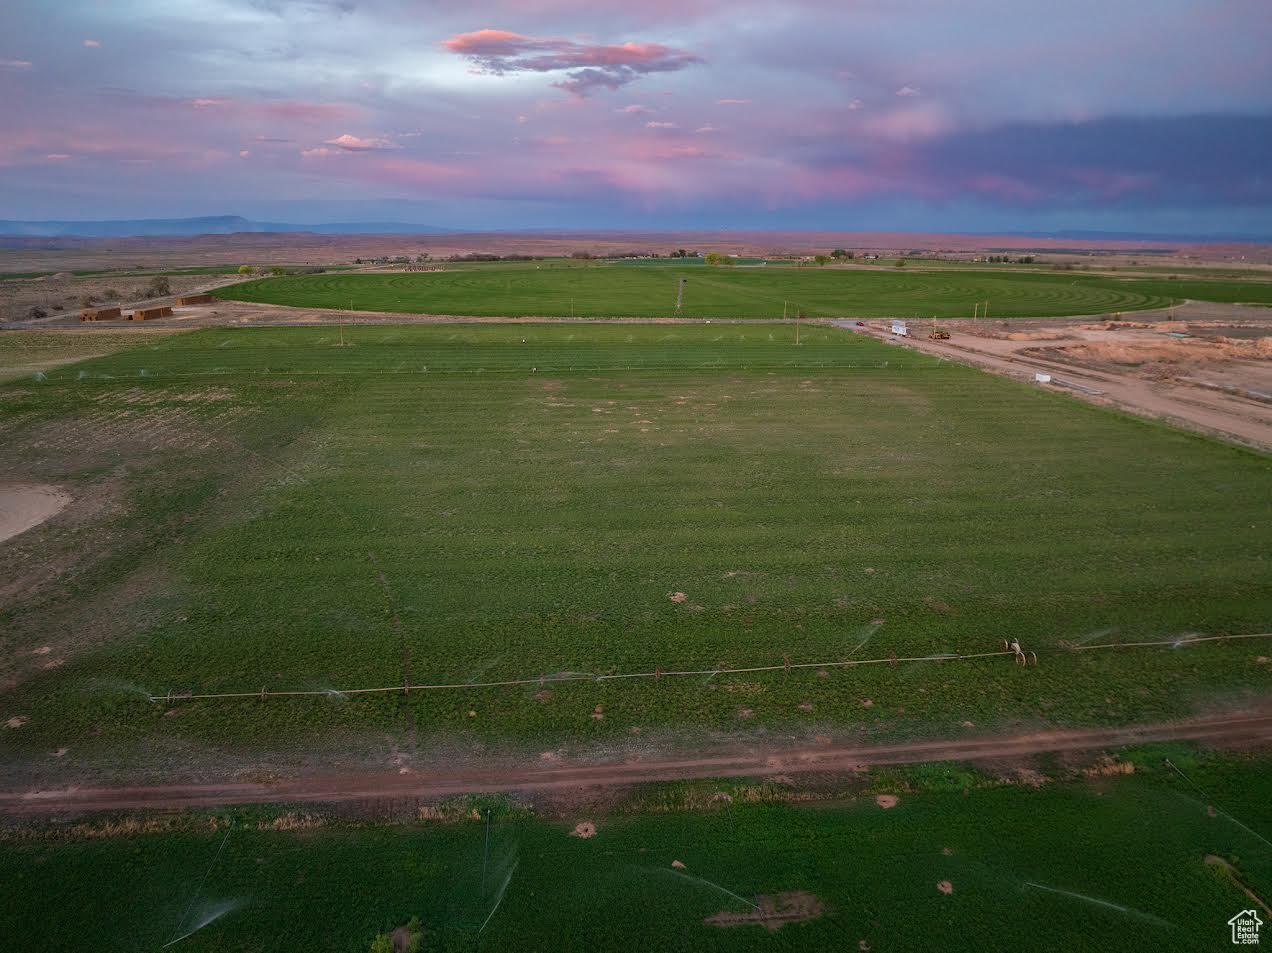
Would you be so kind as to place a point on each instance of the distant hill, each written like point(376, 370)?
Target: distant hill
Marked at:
point(1190, 238)
point(209, 225)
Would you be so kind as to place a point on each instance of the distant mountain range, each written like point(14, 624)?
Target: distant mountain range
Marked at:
point(236, 224)
point(1081, 235)
point(209, 225)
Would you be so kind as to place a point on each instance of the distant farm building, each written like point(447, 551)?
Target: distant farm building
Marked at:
point(101, 314)
point(147, 314)
point(195, 299)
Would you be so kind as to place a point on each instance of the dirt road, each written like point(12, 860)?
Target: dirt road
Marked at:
point(1251, 728)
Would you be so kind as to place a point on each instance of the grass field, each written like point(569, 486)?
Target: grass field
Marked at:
point(26, 353)
point(1066, 866)
point(261, 507)
point(608, 290)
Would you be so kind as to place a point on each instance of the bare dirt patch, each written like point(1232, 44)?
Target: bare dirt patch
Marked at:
point(24, 506)
point(1215, 860)
point(945, 887)
point(886, 801)
point(584, 829)
point(1210, 368)
point(773, 912)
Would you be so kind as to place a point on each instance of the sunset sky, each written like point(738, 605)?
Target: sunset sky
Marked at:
point(978, 115)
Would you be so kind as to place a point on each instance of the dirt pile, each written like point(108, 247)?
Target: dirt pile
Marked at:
point(773, 913)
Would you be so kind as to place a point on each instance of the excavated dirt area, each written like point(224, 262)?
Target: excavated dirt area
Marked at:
point(1202, 365)
point(24, 506)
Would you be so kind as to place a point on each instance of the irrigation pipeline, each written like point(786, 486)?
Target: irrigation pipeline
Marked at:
point(658, 673)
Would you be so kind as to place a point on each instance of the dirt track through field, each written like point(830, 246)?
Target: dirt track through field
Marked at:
point(1250, 728)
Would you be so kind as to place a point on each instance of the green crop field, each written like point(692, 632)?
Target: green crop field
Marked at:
point(1071, 865)
point(618, 291)
point(457, 504)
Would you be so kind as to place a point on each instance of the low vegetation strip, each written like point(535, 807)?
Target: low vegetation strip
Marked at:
point(1022, 658)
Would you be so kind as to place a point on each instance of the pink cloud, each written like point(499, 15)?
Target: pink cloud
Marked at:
point(92, 44)
point(15, 64)
point(588, 66)
point(57, 157)
point(706, 129)
point(733, 102)
point(908, 123)
point(661, 125)
point(355, 144)
point(1110, 184)
point(1005, 187)
point(484, 42)
point(319, 152)
point(909, 91)
point(634, 109)
point(285, 110)
point(406, 171)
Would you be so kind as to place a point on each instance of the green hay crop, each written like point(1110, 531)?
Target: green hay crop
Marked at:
point(475, 503)
point(763, 293)
point(1111, 858)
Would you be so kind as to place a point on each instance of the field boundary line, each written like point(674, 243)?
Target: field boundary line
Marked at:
point(659, 673)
